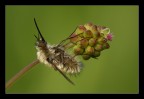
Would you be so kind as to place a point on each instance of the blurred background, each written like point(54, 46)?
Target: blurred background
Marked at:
point(115, 71)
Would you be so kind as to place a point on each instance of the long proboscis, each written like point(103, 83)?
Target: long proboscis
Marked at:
point(38, 30)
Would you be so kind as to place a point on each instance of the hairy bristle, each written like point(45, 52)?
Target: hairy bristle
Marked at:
point(59, 57)
point(71, 65)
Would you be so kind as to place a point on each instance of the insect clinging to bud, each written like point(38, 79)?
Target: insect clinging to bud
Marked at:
point(55, 56)
point(87, 41)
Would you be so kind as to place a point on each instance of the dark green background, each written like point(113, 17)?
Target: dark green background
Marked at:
point(116, 70)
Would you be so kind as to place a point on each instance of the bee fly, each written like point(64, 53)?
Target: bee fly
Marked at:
point(56, 57)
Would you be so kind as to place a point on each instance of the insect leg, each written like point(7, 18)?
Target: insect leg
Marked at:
point(56, 68)
point(67, 38)
point(64, 75)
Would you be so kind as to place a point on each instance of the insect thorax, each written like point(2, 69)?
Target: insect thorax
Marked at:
point(54, 55)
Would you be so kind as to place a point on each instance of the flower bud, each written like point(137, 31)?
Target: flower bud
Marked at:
point(75, 38)
point(87, 34)
point(106, 46)
point(96, 54)
point(80, 29)
point(83, 43)
point(86, 57)
point(94, 29)
point(78, 50)
point(109, 36)
point(89, 40)
point(96, 34)
point(98, 47)
point(102, 35)
point(89, 50)
point(92, 41)
point(101, 40)
point(88, 26)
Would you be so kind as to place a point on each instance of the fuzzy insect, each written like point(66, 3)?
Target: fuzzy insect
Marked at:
point(56, 57)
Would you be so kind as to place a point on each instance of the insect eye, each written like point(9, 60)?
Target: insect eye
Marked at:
point(37, 43)
point(41, 43)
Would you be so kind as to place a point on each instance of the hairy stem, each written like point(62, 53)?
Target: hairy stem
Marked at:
point(20, 73)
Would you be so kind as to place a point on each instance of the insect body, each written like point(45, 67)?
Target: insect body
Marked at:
point(56, 57)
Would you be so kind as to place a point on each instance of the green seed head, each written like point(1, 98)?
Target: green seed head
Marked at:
point(78, 50)
point(92, 41)
point(86, 57)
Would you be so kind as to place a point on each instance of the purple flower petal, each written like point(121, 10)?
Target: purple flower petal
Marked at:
point(109, 36)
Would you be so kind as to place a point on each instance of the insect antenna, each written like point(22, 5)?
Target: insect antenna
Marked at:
point(38, 31)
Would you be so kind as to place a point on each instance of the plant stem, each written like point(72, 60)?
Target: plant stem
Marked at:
point(20, 73)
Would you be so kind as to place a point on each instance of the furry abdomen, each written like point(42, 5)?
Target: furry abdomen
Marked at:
point(58, 57)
